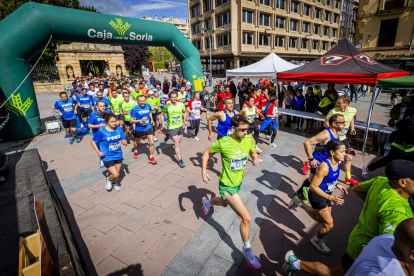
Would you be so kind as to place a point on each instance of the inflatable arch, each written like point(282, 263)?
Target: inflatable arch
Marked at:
point(26, 31)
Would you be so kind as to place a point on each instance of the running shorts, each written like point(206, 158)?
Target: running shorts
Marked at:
point(347, 261)
point(69, 123)
point(317, 202)
point(127, 123)
point(346, 143)
point(232, 190)
point(119, 117)
point(85, 113)
point(175, 131)
point(112, 163)
point(140, 134)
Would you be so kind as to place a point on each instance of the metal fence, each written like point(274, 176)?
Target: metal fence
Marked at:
point(45, 73)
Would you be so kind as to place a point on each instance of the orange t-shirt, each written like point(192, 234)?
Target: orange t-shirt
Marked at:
point(144, 91)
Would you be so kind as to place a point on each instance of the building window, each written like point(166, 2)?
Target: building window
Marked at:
point(324, 45)
point(264, 40)
point(337, 2)
point(195, 11)
point(388, 31)
point(207, 5)
point(197, 44)
point(304, 44)
point(305, 27)
point(248, 38)
point(315, 29)
point(326, 31)
point(318, 1)
point(196, 28)
point(280, 22)
point(315, 44)
point(247, 17)
point(224, 40)
point(294, 7)
point(334, 32)
point(221, 2)
point(280, 41)
point(317, 13)
point(293, 25)
point(265, 2)
point(293, 42)
point(328, 2)
point(333, 45)
point(327, 15)
point(394, 4)
point(207, 43)
point(306, 10)
point(223, 19)
point(208, 24)
point(264, 19)
point(280, 4)
point(243, 63)
point(335, 18)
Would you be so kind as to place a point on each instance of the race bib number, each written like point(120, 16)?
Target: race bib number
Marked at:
point(144, 123)
point(114, 146)
point(68, 109)
point(251, 117)
point(86, 106)
point(197, 106)
point(330, 187)
point(175, 119)
point(343, 132)
point(238, 164)
point(183, 100)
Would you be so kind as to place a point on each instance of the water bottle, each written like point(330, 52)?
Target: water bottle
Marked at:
point(387, 148)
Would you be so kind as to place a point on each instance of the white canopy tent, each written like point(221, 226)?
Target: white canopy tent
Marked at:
point(269, 66)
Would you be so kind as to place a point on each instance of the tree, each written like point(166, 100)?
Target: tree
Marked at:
point(135, 57)
point(162, 54)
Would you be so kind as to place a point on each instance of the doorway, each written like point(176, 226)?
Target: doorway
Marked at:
point(94, 67)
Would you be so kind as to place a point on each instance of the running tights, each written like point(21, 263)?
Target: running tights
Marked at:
point(254, 128)
point(195, 125)
point(271, 132)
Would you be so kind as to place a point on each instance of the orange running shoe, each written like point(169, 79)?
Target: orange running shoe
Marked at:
point(305, 168)
point(351, 181)
point(135, 154)
point(152, 160)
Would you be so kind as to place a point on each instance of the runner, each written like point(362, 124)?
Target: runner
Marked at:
point(222, 97)
point(386, 205)
point(175, 112)
point(66, 108)
point(135, 93)
point(270, 122)
point(336, 125)
point(155, 104)
point(194, 108)
point(85, 106)
point(235, 150)
point(143, 119)
point(224, 121)
point(99, 97)
point(252, 112)
point(109, 139)
point(182, 95)
point(320, 194)
point(96, 120)
point(124, 109)
point(115, 100)
point(342, 107)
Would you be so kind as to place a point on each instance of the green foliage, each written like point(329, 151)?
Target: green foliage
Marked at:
point(160, 65)
point(161, 54)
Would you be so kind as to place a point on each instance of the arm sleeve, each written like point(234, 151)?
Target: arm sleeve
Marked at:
point(270, 110)
point(132, 113)
point(91, 120)
point(300, 101)
point(215, 147)
point(97, 137)
point(190, 103)
point(56, 106)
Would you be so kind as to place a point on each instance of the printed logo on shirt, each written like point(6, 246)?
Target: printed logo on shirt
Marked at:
point(113, 137)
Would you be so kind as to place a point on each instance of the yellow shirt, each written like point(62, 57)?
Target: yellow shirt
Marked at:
point(349, 115)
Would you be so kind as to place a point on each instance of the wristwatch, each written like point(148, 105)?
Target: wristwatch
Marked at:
point(311, 159)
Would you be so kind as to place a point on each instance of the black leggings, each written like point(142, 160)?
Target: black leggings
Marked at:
point(395, 153)
point(195, 125)
point(254, 128)
point(271, 132)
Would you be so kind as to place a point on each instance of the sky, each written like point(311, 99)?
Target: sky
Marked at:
point(140, 8)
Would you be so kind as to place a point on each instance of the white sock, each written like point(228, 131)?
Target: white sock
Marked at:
point(296, 264)
point(247, 244)
point(300, 204)
point(135, 150)
point(150, 156)
point(316, 239)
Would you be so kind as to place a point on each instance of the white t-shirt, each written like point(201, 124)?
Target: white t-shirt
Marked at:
point(402, 112)
point(195, 106)
point(377, 258)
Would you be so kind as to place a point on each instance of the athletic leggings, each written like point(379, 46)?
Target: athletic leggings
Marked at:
point(195, 125)
point(271, 132)
point(254, 128)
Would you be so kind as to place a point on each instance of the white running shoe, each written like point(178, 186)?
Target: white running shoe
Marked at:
point(273, 145)
point(205, 209)
point(258, 150)
point(108, 185)
point(185, 129)
point(101, 165)
point(116, 187)
point(293, 204)
point(299, 128)
point(365, 172)
point(321, 246)
point(296, 128)
point(155, 139)
point(196, 138)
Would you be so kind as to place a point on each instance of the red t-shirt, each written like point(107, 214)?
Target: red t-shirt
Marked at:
point(262, 102)
point(256, 100)
point(221, 97)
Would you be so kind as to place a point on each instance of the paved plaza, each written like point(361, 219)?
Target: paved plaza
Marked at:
point(154, 224)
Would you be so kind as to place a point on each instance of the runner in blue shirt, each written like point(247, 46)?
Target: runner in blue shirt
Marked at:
point(96, 120)
point(85, 106)
point(109, 139)
point(66, 108)
point(100, 97)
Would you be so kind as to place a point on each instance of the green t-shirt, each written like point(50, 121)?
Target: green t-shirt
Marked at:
point(348, 119)
point(234, 156)
point(174, 115)
point(383, 210)
point(115, 103)
point(135, 94)
point(127, 106)
point(154, 102)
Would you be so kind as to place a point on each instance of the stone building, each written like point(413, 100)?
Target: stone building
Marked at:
point(178, 22)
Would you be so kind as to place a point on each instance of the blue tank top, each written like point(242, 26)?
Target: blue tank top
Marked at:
point(329, 181)
point(224, 127)
point(322, 155)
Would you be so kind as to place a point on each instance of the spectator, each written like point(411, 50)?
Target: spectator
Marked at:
point(288, 95)
point(394, 99)
point(399, 111)
point(354, 91)
point(310, 106)
point(298, 102)
point(233, 90)
point(242, 93)
point(331, 91)
point(165, 87)
point(364, 89)
point(75, 87)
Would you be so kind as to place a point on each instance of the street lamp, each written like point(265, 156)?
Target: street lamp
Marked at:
point(209, 41)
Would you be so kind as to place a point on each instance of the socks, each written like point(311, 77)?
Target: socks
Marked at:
point(247, 244)
point(150, 156)
point(296, 264)
point(348, 175)
point(135, 151)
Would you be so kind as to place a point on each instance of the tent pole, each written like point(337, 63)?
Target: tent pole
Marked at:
point(371, 107)
point(277, 96)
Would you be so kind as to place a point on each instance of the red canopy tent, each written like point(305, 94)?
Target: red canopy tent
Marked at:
point(342, 64)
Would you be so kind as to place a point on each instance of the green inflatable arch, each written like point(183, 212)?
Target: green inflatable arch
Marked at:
point(26, 31)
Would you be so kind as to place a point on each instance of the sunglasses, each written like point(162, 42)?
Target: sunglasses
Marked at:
point(241, 129)
point(341, 122)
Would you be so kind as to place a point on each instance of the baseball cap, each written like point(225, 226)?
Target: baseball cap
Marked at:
point(150, 92)
point(400, 169)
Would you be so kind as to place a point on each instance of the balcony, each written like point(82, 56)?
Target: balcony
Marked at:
point(386, 40)
point(394, 4)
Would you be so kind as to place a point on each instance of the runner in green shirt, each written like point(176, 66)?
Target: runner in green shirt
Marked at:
point(175, 112)
point(155, 104)
point(235, 151)
point(125, 107)
point(386, 205)
point(135, 93)
point(115, 102)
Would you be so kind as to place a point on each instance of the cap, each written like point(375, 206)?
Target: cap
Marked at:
point(150, 92)
point(399, 169)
